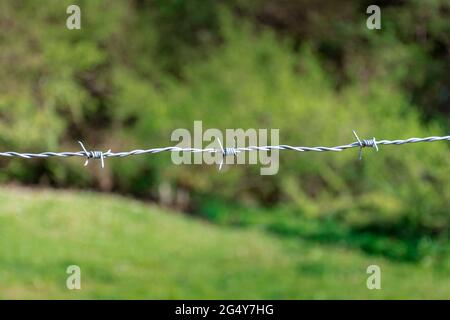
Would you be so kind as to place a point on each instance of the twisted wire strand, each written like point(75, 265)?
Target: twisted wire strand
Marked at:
point(224, 151)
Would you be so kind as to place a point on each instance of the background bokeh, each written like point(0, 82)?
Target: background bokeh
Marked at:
point(139, 69)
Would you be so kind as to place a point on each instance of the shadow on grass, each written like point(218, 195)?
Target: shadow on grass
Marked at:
point(395, 243)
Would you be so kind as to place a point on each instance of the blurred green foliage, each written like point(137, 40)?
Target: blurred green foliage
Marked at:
point(138, 70)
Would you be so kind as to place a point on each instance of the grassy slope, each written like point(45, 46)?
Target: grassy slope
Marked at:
point(130, 250)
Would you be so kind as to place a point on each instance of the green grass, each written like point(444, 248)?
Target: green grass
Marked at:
point(127, 249)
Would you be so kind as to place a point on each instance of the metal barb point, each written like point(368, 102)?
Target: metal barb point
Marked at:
point(94, 155)
point(372, 143)
point(225, 152)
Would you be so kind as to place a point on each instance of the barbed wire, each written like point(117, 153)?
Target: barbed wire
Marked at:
point(228, 151)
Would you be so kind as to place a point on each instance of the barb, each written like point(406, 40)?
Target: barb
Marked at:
point(94, 155)
point(365, 143)
point(225, 152)
point(372, 143)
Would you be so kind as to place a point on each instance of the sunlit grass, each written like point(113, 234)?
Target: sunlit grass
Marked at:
point(127, 249)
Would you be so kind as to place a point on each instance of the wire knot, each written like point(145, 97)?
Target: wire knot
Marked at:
point(370, 143)
point(94, 155)
point(226, 152)
point(229, 152)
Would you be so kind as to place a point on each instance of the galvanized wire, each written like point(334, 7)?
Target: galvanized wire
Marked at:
point(372, 143)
